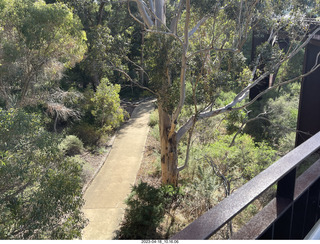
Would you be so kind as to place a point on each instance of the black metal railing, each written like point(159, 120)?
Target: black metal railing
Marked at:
point(314, 233)
point(290, 215)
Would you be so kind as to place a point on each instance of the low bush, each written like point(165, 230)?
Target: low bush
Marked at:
point(87, 133)
point(71, 145)
point(146, 207)
point(155, 133)
point(154, 118)
point(106, 106)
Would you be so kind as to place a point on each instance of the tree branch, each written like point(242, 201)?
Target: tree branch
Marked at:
point(136, 19)
point(278, 85)
point(183, 70)
point(196, 27)
point(245, 122)
point(188, 151)
point(18, 191)
point(165, 33)
point(217, 172)
point(226, 183)
point(174, 22)
point(134, 82)
point(138, 66)
point(243, 94)
point(213, 48)
point(151, 6)
point(160, 13)
point(100, 12)
point(144, 14)
point(194, 87)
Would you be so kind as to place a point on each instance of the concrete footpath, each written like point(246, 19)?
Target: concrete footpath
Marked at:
point(105, 196)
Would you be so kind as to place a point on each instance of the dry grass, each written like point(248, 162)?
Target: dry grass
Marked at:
point(149, 171)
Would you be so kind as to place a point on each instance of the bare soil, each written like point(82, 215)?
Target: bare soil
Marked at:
point(149, 171)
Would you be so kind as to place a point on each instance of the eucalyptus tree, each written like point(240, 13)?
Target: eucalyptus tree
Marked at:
point(200, 43)
point(38, 41)
point(111, 39)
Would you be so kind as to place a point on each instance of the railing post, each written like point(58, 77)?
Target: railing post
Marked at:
point(286, 185)
point(284, 198)
point(285, 189)
point(308, 122)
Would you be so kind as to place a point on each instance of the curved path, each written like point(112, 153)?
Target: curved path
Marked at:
point(105, 196)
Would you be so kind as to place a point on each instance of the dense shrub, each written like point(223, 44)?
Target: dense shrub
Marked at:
point(106, 106)
point(40, 188)
point(281, 114)
point(237, 164)
point(71, 145)
point(245, 156)
point(202, 194)
point(146, 207)
point(87, 133)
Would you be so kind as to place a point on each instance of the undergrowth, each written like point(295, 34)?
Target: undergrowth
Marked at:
point(222, 158)
point(146, 208)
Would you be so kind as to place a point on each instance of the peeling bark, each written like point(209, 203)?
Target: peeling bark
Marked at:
point(169, 155)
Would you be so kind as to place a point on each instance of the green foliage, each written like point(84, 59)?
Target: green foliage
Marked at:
point(106, 106)
point(154, 118)
point(162, 56)
point(38, 42)
point(99, 57)
point(244, 160)
point(269, 55)
point(39, 31)
point(291, 69)
point(245, 157)
point(224, 98)
point(286, 143)
point(16, 127)
point(201, 194)
point(146, 207)
point(112, 37)
point(281, 109)
point(203, 187)
point(283, 116)
point(87, 133)
point(234, 120)
point(71, 145)
point(40, 189)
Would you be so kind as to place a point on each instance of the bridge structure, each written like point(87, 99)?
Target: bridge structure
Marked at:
point(294, 213)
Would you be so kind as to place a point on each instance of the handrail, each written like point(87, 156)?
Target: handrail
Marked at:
point(211, 221)
point(314, 233)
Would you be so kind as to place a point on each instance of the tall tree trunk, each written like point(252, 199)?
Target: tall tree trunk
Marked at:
point(142, 58)
point(55, 123)
point(169, 154)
